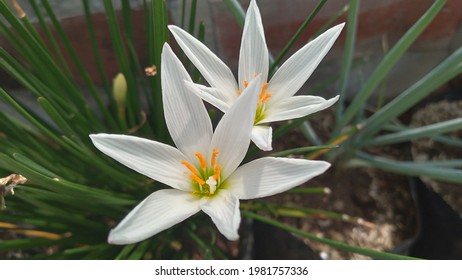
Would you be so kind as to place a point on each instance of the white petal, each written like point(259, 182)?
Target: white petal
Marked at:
point(159, 211)
point(213, 96)
point(187, 119)
point(156, 160)
point(253, 57)
point(217, 74)
point(297, 107)
point(262, 137)
point(223, 208)
point(232, 135)
point(298, 68)
point(268, 176)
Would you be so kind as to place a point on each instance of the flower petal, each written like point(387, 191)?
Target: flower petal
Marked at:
point(187, 119)
point(253, 57)
point(223, 208)
point(262, 137)
point(269, 176)
point(298, 68)
point(297, 107)
point(213, 96)
point(153, 159)
point(232, 135)
point(215, 71)
point(159, 211)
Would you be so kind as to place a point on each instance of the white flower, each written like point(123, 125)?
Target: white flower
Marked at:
point(203, 170)
point(276, 101)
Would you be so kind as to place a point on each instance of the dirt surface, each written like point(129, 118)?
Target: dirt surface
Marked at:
point(428, 149)
point(376, 207)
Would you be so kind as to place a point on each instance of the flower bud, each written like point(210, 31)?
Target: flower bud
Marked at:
point(119, 88)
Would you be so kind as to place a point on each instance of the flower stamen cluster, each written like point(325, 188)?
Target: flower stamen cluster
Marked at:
point(263, 97)
point(205, 180)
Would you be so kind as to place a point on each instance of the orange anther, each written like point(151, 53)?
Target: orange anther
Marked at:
point(246, 83)
point(197, 179)
point(189, 166)
point(214, 157)
point(217, 173)
point(263, 100)
point(201, 160)
point(263, 90)
point(238, 92)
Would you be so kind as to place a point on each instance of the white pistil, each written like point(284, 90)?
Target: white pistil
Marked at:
point(212, 183)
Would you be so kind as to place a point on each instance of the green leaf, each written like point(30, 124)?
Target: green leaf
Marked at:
point(351, 27)
point(301, 150)
point(158, 35)
point(236, 10)
point(419, 132)
point(408, 168)
point(444, 72)
point(390, 59)
point(295, 37)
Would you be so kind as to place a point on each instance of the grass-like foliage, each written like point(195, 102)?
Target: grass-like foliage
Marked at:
point(74, 194)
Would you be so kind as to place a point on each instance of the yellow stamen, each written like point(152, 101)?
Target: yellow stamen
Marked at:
point(217, 172)
point(202, 160)
point(197, 179)
point(214, 157)
point(190, 167)
point(238, 91)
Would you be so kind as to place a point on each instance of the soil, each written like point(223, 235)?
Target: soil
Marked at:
point(378, 210)
point(428, 149)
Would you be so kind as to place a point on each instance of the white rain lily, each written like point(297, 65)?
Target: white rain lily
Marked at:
point(203, 170)
point(276, 99)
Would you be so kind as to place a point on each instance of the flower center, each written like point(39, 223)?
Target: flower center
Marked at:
point(206, 180)
point(261, 106)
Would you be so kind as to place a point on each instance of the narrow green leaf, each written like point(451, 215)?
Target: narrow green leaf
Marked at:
point(408, 168)
point(390, 59)
point(133, 106)
point(27, 243)
point(301, 150)
point(320, 190)
point(123, 254)
point(418, 132)
point(351, 27)
point(56, 117)
point(445, 71)
point(158, 35)
point(96, 53)
point(192, 16)
point(310, 134)
point(295, 37)
point(50, 38)
point(237, 11)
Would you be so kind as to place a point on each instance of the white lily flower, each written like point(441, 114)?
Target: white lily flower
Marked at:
point(203, 170)
point(276, 100)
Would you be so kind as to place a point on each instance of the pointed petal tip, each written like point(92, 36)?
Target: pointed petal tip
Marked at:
point(324, 165)
point(115, 239)
point(232, 237)
point(98, 136)
point(166, 49)
point(172, 27)
point(338, 28)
